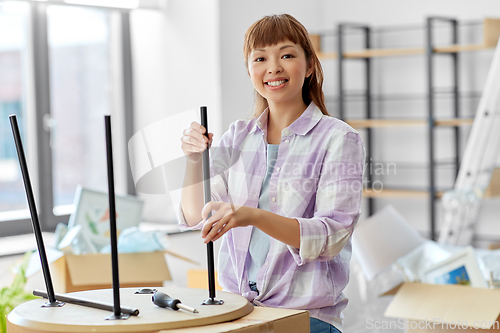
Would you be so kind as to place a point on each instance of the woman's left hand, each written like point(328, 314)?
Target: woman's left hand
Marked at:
point(225, 217)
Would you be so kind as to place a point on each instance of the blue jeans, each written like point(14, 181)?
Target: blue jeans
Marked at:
point(319, 326)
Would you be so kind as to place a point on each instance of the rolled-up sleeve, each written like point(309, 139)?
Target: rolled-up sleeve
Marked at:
point(183, 224)
point(337, 202)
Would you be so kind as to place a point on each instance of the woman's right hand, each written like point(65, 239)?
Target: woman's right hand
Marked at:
point(194, 142)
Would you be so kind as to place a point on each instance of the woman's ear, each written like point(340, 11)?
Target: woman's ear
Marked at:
point(310, 70)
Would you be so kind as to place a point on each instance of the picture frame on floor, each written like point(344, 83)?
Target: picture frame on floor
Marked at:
point(92, 213)
point(461, 268)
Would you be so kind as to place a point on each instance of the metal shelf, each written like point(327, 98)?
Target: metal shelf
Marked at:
point(377, 123)
point(491, 32)
point(386, 52)
point(399, 193)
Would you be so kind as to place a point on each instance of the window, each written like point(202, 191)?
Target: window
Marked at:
point(13, 69)
point(81, 94)
point(62, 68)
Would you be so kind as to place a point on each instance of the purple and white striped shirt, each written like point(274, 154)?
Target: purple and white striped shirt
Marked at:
point(317, 180)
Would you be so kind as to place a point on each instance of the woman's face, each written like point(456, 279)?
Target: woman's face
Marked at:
point(278, 72)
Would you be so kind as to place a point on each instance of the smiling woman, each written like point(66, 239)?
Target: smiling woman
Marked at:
point(285, 237)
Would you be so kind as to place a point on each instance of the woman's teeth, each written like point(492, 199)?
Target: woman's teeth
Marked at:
point(275, 83)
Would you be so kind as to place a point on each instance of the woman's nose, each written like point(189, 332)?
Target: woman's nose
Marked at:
point(275, 68)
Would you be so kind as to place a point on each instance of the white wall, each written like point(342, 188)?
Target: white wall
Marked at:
point(388, 12)
point(176, 68)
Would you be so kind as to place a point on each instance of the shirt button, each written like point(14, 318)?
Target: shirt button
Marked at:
point(278, 169)
point(273, 199)
point(267, 263)
point(287, 141)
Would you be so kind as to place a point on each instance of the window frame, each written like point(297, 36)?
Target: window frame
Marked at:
point(39, 110)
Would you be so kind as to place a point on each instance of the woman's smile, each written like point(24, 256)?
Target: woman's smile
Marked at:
point(275, 84)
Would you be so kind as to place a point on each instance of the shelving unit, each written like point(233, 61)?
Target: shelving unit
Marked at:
point(491, 27)
point(402, 51)
point(391, 193)
point(491, 33)
point(372, 123)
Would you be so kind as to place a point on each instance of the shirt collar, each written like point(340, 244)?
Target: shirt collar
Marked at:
point(307, 120)
point(261, 121)
point(301, 126)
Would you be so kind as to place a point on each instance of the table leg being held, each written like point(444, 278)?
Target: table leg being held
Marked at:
point(207, 195)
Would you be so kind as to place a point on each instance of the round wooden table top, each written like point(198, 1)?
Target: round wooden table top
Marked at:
point(31, 317)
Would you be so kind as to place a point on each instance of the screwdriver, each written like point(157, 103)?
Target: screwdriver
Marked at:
point(165, 301)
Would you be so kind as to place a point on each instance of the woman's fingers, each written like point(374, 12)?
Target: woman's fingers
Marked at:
point(216, 216)
point(206, 229)
point(214, 224)
point(211, 222)
point(195, 142)
point(210, 139)
point(193, 139)
point(196, 126)
point(226, 217)
point(220, 209)
point(217, 230)
point(199, 132)
point(209, 227)
point(223, 230)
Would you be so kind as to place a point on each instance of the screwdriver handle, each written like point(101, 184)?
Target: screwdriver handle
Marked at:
point(165, 301)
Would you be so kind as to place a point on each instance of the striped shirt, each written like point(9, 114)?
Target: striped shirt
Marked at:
point(317, 180)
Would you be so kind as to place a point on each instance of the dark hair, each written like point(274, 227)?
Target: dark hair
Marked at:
point(272, 29)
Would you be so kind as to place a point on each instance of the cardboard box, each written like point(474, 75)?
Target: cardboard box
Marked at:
point(198, 278)
point(260, 320)
point(494, 246)
point(446, 308)
point(493, 189)
point(72, 273)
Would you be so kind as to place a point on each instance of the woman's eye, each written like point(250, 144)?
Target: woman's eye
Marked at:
point(287, 56)
point(259, 59)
